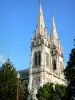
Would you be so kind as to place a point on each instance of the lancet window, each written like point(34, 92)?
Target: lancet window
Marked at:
point(37, 58)
point(54, 65)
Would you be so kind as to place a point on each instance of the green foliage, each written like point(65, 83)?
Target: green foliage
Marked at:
point(49, 92)
point(26, 92)
point(70, 75)
point(21, 90)
point(8, 82)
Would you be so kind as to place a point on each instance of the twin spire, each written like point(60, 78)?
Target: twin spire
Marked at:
point(40, 27)
point(53, 29)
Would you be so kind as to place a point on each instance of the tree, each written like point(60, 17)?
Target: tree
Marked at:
point(50, 91)
point(70, 76)
point(8, 82)
point(26, 92)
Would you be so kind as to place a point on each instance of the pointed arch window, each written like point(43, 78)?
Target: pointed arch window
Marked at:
point(54, 65)
point(37, 58)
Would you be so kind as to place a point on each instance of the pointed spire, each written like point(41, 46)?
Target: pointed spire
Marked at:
point(40, 28)
point(53, 30)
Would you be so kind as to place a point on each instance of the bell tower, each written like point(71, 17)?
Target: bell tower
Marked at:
point(39, 46)
point(56, 51)
point(46, 58)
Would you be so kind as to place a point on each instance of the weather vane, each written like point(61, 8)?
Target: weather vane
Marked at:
point(74, 42)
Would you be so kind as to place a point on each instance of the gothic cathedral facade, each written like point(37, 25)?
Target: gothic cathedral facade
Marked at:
point(46, 58)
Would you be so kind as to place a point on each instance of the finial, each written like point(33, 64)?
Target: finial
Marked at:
point(52, 12)
point(39, 1)
point(74, 42)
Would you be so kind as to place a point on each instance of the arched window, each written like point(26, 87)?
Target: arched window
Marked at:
point(54, 65)
point(37, 58)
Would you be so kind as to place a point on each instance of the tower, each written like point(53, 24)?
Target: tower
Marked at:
point(46, 59)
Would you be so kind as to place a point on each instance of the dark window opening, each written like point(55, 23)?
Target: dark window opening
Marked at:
point(37, 58)
point(54, 65)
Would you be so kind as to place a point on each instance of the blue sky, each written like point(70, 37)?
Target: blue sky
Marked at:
point(18, 21)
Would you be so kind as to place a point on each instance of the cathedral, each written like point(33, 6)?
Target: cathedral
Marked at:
point(46, 58)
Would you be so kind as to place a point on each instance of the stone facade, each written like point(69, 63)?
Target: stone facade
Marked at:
point(46, 59)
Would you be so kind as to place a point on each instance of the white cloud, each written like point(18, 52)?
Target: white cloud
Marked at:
point(2, 60)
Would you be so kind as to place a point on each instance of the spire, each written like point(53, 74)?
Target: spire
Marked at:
point(40, 28)
point(53, 30)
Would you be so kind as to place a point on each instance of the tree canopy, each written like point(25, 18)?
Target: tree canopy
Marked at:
point(8, 82)
point(50, 91)
point(70, 75)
